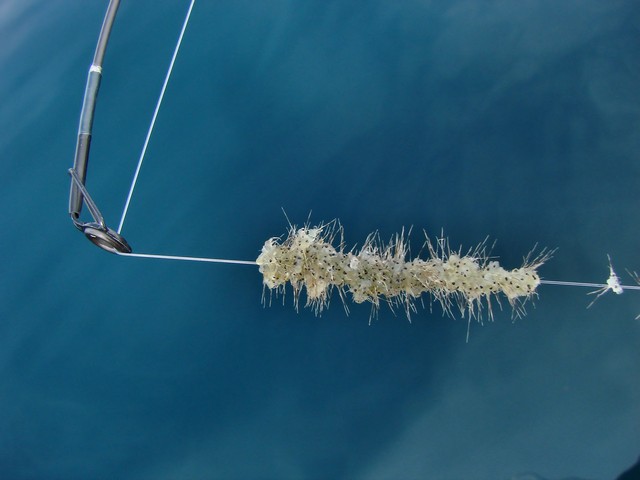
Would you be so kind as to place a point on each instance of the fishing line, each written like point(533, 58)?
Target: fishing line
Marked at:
point(310, 260)
point(584, 284)
point(155, 115)
point(188, 259)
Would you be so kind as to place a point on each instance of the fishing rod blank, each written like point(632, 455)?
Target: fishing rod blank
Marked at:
point(97, 231)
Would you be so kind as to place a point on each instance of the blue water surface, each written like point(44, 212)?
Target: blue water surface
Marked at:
point(515, 120)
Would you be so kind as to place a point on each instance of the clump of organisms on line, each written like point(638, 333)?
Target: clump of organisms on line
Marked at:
point(309, 259)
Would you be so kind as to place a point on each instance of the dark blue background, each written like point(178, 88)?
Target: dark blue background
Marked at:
point(518, 120)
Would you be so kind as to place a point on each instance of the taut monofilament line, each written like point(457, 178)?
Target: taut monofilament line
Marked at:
point(308, 259)
point(377, 272)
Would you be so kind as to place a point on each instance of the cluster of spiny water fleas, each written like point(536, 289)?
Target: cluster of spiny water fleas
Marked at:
point(308, 259)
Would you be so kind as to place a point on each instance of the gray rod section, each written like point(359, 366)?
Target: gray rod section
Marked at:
point(81, 158)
